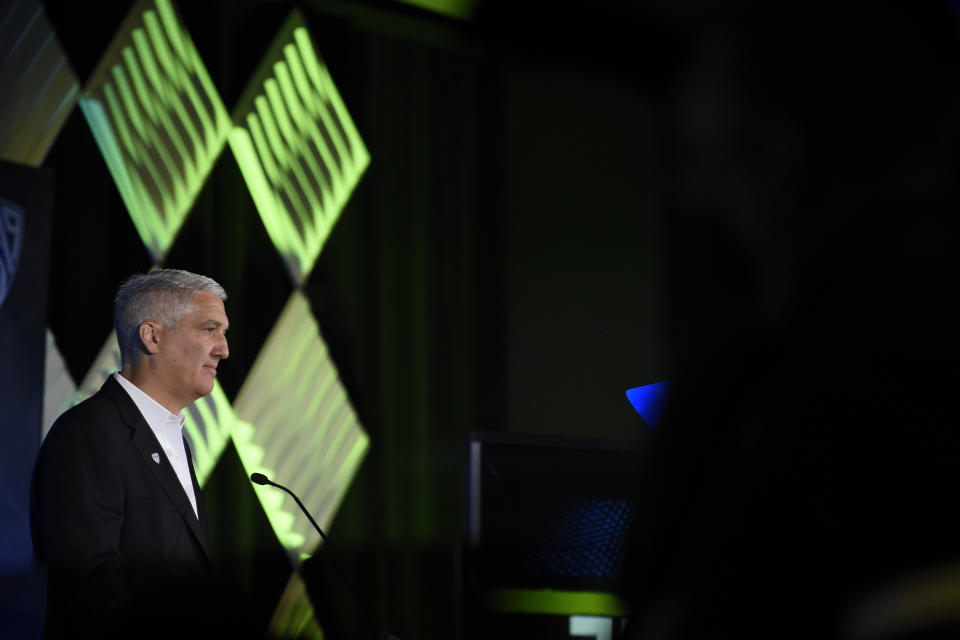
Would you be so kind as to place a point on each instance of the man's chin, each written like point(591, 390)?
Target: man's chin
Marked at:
point(205, 387)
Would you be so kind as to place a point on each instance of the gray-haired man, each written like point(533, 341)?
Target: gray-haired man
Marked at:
point(117, 514)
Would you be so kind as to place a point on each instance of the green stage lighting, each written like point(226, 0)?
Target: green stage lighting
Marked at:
point(294, 616)
point(297, 147)
point(210, 421)
point(157, 119)
point(554, 602)
point(106, 363)
point(299, 428)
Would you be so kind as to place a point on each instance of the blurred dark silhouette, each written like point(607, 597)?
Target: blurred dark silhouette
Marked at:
point(808, 458)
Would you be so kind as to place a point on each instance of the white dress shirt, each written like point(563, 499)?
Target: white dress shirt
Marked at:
point(169, 431)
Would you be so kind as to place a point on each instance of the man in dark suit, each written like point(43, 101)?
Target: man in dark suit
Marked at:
point(117, 514)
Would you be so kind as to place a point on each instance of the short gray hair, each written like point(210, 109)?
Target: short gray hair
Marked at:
point(163, 295)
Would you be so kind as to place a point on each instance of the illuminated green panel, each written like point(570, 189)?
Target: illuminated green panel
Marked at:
point(38, 86)
point(157, 119)
point(209, 422)
point(303, 431)
point(551, 602)
point(294, 616)
point(297, 147)
point(106, 362)
point(273, 501)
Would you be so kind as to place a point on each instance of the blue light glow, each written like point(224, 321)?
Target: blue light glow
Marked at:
point(649, 401)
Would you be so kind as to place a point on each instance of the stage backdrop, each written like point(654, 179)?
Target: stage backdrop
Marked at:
point(395, 280)
point(25, 215)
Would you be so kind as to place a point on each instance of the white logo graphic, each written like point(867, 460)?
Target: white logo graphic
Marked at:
point(156, 457)
point(11, 242)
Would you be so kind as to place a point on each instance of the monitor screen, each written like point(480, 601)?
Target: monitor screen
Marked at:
point(549, 513)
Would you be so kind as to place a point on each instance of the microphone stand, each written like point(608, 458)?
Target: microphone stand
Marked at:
point(259, 478)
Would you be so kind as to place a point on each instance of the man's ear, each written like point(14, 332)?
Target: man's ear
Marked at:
point(150, 334)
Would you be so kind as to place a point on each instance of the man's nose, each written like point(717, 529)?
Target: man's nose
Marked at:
point(221, 350)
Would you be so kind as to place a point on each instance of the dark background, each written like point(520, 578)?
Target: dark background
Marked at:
point(568, 200)
point(22, 343)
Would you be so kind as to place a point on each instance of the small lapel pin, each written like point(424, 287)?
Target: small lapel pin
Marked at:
point(156, 457)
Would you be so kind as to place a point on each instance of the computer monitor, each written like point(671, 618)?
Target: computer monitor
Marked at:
point(547, 525)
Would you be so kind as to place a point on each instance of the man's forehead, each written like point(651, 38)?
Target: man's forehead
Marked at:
point(209, 307)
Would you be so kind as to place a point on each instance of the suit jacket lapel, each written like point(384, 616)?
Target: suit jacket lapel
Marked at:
point(201, 504)
point(147, 444)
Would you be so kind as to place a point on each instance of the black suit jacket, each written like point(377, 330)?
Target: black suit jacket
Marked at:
point(124, 551)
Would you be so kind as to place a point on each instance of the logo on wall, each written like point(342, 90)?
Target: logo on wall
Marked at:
point(11, 242)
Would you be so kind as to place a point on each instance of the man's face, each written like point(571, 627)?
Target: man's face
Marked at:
point(188, 355)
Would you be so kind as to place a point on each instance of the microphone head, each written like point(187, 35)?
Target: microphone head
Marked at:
point(259, 478)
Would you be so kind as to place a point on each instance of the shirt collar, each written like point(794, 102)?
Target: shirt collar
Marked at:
point(153, 412)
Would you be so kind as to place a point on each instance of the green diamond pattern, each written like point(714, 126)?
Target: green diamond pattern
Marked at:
point(160, 125)
point(294, 616)
point(106, 362)
point(210, 421)
point(311, 439)
point(297, 147)
point(158, 120)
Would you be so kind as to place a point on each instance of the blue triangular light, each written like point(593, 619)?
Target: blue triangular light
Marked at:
point(649, 401)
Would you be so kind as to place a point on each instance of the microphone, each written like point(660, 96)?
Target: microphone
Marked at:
point(259, 478)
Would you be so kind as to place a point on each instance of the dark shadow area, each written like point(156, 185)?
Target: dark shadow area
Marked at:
point(251, 562)
point(807, 458)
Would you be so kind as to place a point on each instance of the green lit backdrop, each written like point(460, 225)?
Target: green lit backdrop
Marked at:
point(438, 217)
point(160, 125)
point(351, 176)
point(157, 119)
point(297, 147)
